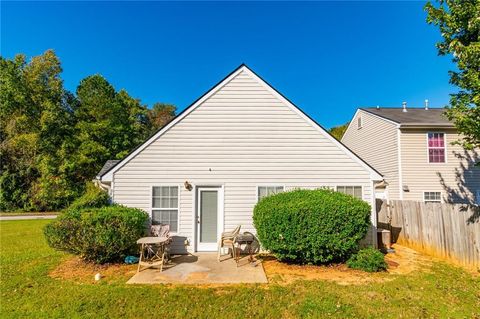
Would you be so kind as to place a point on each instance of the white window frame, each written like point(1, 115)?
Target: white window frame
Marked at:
point(268, 185)
point(444, 148)
point(433, 201)
point(359, 122)
point(351, 185)
point(179, 189)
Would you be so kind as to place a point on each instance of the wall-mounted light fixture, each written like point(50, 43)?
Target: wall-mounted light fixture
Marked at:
point(188, 186)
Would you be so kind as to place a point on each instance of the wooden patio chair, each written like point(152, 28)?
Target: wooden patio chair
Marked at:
point(227, 239)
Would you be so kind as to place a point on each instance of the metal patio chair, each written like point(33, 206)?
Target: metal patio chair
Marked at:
point(227, 239)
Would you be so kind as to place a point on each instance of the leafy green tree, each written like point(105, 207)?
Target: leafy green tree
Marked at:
point(459, 24)
point(52, 142)
point(338, 131)
point(19, 140)
point(102, 131)
point(37, 117)
point(159, 115)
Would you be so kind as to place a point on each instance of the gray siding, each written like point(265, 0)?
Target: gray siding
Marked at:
point(458, 179)
point(241, 137)
point(376, 143)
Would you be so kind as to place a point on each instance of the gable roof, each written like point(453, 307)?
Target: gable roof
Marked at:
point(107, 166)
point(107, 176)
point(413, 117)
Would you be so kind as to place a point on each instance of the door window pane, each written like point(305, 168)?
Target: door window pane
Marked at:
point(208, 216)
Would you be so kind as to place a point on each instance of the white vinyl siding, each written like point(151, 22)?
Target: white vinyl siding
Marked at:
point(239, 138)
point(264, 191)
point(376, 143)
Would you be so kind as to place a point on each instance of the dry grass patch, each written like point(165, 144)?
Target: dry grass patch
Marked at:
point(79, 271)
point(403, 261)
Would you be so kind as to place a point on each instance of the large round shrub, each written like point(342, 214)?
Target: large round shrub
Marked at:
point(311, 226)
point(101, 235)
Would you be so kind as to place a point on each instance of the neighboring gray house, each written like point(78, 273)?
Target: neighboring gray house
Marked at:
point(412, 148)
point(204, 172)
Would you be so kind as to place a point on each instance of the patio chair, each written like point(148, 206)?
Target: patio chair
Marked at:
point(162, 230)
point(227, 239)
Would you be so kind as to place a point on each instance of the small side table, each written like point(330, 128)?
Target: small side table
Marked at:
point(155, 246)
point(245, 239)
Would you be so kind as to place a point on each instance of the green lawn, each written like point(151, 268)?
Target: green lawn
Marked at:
point(27, 291)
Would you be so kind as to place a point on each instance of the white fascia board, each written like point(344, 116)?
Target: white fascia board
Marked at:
point(351, 121)
point(109, 175)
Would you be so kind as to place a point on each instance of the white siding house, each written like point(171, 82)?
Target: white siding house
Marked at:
point(240, 140)
point(415, 150)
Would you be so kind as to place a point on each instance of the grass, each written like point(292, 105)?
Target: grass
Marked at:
point(27, 291)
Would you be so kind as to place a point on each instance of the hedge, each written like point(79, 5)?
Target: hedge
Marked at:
point(311, 226)
point(101, 235)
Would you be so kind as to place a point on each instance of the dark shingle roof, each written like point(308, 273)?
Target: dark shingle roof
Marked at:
point(107, 166)
point(413, 116)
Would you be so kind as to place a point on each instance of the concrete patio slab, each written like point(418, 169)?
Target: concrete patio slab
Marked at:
point(202, 268)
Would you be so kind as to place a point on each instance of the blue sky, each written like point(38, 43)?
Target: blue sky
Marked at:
point(327, 57)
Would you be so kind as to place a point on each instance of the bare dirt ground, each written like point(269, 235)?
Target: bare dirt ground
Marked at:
point(79, 271)
point(403, 261)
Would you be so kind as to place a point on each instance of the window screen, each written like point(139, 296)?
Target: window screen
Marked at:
point(264, 191)
point(165, 206)
point(355, 191)
point(432, 197)
point(436, 148)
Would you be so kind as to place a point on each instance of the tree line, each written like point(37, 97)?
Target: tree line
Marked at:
point(53, 141)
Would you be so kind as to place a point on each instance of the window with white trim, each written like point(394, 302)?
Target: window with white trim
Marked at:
point(165, 206)
point(264, 191)
point(359, 122)
point(432, 197)
point(436, 147)
point(355, 191)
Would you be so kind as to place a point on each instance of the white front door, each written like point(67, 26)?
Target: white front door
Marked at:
point(209, 217)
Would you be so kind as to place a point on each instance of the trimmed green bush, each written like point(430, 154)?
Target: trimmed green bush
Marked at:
point(368, 259)
point(311, 226)
point(101, 235)
point(93, 197)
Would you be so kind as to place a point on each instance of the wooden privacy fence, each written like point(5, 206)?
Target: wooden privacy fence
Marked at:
point(450, 231)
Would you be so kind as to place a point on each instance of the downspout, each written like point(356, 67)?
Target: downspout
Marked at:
point(399, 156)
